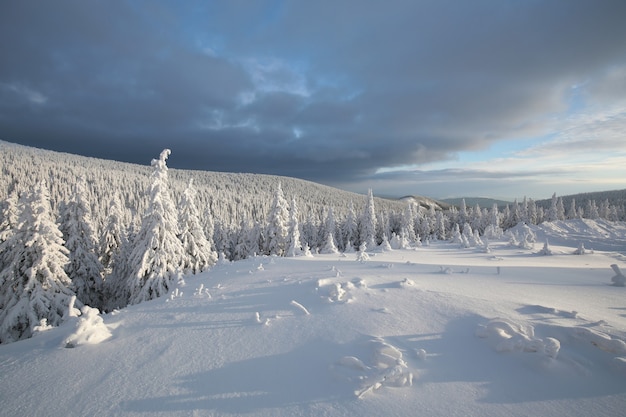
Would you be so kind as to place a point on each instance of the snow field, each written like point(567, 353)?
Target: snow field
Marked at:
point(440, 330)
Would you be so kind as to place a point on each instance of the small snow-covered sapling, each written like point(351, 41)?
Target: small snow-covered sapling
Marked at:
point(619, 280)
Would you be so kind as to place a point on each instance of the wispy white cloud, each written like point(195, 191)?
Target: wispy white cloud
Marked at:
point(25, 93)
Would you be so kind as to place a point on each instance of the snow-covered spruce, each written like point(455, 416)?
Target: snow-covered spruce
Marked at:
point(199, 253)
point(84, 268)
point(33, 283)
point(158, 255)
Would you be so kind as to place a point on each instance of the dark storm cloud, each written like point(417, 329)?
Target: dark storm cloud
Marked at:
point(328, 91)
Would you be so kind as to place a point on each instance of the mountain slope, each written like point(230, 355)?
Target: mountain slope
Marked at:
point(229, 196)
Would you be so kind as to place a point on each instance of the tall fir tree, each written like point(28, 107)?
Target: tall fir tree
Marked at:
point(328, 233)
point(553, 212)
point(440, 226)
point(8, 223)
point(408, 223)
point(277, 226)
point(245, 243)
point(158, 254)
point(349, 229)
point(34, 285)
point(294, 245)
point(199, 252)
point(112, 235)
point(573, 211)
point(367, 223)
point(84, 268)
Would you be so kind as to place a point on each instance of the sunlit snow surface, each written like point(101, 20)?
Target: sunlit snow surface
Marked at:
point(435, 331)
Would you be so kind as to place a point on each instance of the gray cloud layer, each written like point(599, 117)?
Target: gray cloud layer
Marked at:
point(327, 91)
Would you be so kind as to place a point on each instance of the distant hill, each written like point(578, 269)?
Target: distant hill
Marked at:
point(614, 197)
point(472, 201)
point(426, 202)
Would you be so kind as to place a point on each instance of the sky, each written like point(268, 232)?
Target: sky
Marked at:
point(489, 98)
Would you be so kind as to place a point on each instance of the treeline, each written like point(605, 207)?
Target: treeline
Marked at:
point(81, 231)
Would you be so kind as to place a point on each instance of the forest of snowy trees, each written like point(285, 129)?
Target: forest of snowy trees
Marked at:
point(77, 231)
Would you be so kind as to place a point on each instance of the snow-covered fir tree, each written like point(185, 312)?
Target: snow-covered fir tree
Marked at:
point(408, 223)
point(493, 229)
point(294, 245)
point(222, 238)
point(456, 236)
point(367, 223)
point(112, 235)
point(591, 210)
point(158, 255)
point(84, 268)
point(463, 215)
point(572, 212)
point(277, 225)
point(199, 253)
point(425, 226)
point(349, 229)
point(245, 244)
point(310, 231)
point(532, 211)
point(330, 228)
point(116, 278)
point(553, 212)
point(209, 225)
point(329, 245)
point(8, 223)
point(33, 285)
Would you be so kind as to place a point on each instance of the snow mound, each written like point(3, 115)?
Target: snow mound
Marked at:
point(583, 349)
point(597, 234)
point(385, 368)
point(90, 329)
point(510, 336)
point(338, 292)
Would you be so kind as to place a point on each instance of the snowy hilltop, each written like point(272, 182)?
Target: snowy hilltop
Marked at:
point(441, 328)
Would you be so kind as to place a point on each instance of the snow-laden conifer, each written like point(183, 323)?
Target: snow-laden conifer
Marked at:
point(456, 237)
point(209, 226)
point(223, 239)
point(242, 247)
point(34, 284)
point(158, 255)
point(278, 225)
point(329, 245)
point(463, 215)
point(400, 241)
point(591, 210)
point(8, 224)
point(425, 227)
point(329, 227)
point(367, 223)
point(310, 231)
point(112, 235)
point(408, 223)
point(198, 250)
point(572, 213)
point(553, 212)
point(440, 226)
point(493, 230)
point(116, 280)
point(294, 245)
point(84, 268)
point(349, 229)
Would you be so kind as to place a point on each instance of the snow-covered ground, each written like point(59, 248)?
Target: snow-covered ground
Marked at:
point(436, 331)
